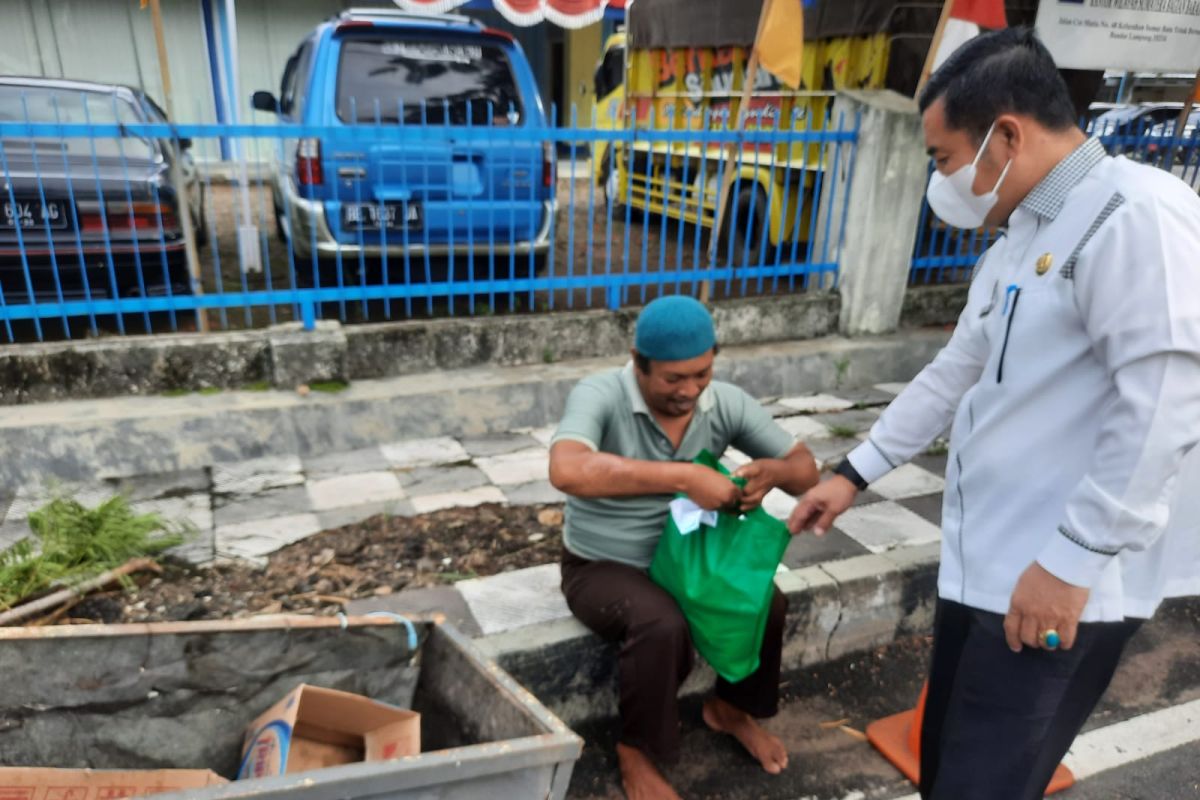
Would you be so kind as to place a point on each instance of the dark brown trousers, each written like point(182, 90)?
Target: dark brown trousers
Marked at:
point(621, 604)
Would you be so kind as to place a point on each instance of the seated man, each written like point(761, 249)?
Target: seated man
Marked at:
point(622, 451)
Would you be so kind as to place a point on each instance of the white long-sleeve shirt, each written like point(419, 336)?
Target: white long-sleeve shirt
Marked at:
point(1074, 390)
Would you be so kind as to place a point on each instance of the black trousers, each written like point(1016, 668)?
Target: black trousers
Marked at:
point(997, 723)
point(621, 604)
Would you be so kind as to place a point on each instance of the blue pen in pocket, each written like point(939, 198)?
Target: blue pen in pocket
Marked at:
point(1013, 292)
point(1008, 294)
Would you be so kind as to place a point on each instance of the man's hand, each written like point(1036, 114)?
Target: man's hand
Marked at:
point(1043, 602)
point(761, 477)
point(821, 505)
point(711, 490)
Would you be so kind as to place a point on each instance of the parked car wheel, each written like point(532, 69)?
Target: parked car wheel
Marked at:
point(747, 215)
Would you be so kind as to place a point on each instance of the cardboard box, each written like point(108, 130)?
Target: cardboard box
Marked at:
point(39, 783)
point(312, 728)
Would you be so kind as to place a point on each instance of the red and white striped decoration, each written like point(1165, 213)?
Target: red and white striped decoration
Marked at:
point(525, 13)
point(429, 6)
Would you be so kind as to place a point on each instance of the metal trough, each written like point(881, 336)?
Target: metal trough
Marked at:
point(179, 695)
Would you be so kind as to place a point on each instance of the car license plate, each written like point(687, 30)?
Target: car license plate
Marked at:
point(33, 215)
point(372, 216)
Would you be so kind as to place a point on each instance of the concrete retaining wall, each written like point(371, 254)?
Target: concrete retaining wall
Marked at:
point(86, 439)
point(835, 609)
point(286, 356)
point(926, 306)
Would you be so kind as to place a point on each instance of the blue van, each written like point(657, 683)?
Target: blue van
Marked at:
point(365, 190)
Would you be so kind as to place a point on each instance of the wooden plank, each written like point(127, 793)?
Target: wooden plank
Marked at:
point(730, 175)
point(938, 34)
point(263, 623)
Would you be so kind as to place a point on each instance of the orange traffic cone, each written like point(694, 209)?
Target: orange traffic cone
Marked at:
point(898, 738)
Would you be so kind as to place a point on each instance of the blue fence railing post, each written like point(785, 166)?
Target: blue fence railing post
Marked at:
point(308, 314)
point(411, 216)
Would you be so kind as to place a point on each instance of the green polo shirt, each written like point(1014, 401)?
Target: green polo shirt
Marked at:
point(607, 413)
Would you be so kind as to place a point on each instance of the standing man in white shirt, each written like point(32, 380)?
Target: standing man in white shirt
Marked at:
point(1073, 384)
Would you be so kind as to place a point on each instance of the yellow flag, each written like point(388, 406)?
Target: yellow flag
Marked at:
point(781, 40)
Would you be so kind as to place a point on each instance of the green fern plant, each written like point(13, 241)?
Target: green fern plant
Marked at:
point(72, 543)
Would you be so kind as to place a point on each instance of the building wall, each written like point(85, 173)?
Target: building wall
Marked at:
point(583, 51)
point(113, 41)
point(110, 41)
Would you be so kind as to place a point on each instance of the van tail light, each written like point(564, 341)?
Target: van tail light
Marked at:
point(547, 165)
point(308, 163)
point(140, 217)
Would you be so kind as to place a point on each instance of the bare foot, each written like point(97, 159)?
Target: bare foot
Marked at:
point(766, 748)
point(640, 778)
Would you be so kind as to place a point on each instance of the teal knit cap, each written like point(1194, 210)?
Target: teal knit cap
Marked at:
point(674, 328)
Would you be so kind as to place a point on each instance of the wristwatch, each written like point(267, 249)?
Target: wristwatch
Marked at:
point(847, 471)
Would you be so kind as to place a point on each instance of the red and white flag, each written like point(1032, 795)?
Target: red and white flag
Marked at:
point(967, 19)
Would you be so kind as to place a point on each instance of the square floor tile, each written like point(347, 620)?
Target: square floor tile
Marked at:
point(534, 494)
point(497, 444)
point(779, 504)
point(816, 403)
point(829, 451)
point(467, 499)
point(282, 502)
point(260, 537)
point(866, 497)
point(193, 509)
point(523, 466)
point(934, 464)
point(515, 599)
point(804, 428)
point(885, 526)
point(439, 480)
point(544, 434)
point(424, 452)
point(908, 480)
point(354, 490)
point(928, 507)
point(858, 420)
point(368, 459)
point(352, 515)
point(735, 457)
point(256, 475)
point(806, 549)
point(869, 396)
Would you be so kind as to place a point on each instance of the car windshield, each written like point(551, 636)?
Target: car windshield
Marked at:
point(40, 104)
point(389, 80)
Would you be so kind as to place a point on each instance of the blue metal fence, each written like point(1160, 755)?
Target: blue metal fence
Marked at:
point(393, 221)
point(948, 255)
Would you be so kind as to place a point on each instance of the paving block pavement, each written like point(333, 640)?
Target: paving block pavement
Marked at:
point(249, 509)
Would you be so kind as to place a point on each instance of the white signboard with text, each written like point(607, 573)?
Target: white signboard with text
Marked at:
point(1141, 35)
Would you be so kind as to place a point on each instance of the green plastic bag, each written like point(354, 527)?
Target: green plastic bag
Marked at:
point(723, 578)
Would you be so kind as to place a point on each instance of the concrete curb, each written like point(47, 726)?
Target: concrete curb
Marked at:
point(835, 609)
point(87, 439)
point(285, 356)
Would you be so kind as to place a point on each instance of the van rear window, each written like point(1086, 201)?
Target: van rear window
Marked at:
point(459, 83)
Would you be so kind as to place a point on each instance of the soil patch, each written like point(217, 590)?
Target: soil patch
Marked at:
point(322, 573)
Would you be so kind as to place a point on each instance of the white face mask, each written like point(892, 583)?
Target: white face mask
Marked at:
point(952, 198)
